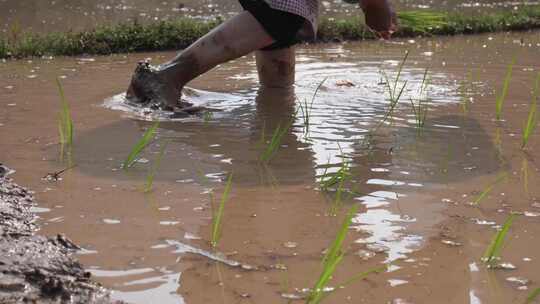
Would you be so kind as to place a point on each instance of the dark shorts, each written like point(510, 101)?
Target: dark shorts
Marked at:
point(280, 25)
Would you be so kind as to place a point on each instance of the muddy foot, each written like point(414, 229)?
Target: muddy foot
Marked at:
point(148, 87)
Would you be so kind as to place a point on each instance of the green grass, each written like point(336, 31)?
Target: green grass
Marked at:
point(420, 109)
point(489, 188)
point(65, 124)
point(306, 108)
point(155, 167)
point(492, 254)
point(107, 39)
point(140, 146)
point(530, 125)
point(532, 296)
point(501, 97)
point(217, 215)
point(179, 33)
point(394, 90)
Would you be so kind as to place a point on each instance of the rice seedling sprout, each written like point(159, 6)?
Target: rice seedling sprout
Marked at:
point(530, 125)
point(532, 296)
point(501, 97)
point(65, 123)
point(525, 174)
point(207, 116)
point(492, 253)
point(306, 107)
point(140, 145)
point(394, 94)
point(155, 167)
point(489, 188)
point(328, 180)
point(217, 215)
point(331, 259)
point(420, 109)
point(275, 141)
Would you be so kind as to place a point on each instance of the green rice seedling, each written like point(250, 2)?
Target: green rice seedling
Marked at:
point(492, 253)
point(489, 188)
point(525, 174)
point(422, 22)
point(275, 141)
point(306, 108)
point(466, 87)
point(420, 111)
point(217, 215)
point(331, 260)
point(267, 177)
point(363, 275)
point(155, 167)
point(501, 97)
point(420, 114)
point(208, 116)
point(65, 123)
point(262, 141)
point(140, 145)
point(498, 143)
point(394, 93)
point(336, 204)
point(328, 180)
point(530, 125)
point(532, 296)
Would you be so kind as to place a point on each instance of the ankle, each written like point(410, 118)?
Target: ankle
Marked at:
point(181, 69)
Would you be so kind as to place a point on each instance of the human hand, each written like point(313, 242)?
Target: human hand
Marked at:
point(380, 17)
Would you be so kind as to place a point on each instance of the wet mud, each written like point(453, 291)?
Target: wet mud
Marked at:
point(34, 268)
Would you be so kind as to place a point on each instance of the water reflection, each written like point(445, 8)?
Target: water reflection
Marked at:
point(390, 167)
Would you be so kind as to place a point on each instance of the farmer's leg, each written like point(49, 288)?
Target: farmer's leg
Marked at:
point(236, 37)
point(276, 67)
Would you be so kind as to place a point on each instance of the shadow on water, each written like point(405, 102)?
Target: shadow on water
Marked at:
point(449, 148)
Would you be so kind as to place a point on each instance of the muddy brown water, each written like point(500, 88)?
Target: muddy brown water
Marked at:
point(59, 15)
point(413, 189)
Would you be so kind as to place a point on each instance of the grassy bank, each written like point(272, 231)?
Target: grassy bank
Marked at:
point(177, 34)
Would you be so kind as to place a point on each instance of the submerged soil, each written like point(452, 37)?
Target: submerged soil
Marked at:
point(34, 268)
point(413, 187)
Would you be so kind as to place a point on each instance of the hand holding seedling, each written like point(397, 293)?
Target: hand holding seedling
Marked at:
point(380, 17)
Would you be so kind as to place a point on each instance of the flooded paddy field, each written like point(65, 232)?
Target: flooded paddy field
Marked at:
point(61, 15)
point(431, 196)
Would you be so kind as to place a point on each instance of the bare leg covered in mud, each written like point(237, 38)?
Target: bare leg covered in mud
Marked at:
point(276, 68)
point(163, 85)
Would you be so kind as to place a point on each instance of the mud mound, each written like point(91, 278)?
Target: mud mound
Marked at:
point(33, 268)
